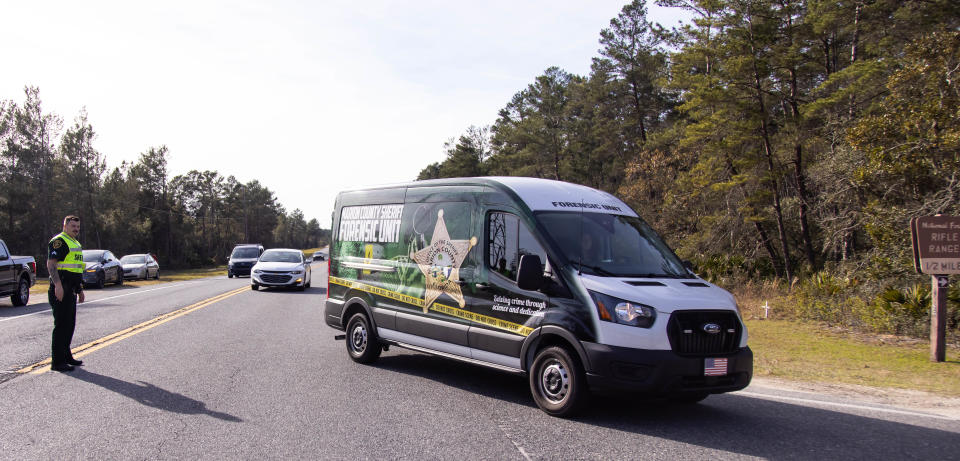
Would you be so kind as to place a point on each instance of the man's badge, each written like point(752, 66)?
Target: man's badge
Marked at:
point(440, 263)
point(57, 243)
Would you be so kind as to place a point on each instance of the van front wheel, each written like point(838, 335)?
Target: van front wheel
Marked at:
point(557, 382)
point(362, 344)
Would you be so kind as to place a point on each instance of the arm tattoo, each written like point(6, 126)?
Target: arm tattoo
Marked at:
point(52, 269)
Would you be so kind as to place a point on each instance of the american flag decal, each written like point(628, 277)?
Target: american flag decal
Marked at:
point(714, 367)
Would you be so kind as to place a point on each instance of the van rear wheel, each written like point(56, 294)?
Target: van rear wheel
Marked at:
point(362, 344)
point(557, 382)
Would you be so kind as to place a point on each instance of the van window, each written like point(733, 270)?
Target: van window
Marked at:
point(508, 240)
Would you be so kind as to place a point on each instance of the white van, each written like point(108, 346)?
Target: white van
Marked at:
point(558, 281)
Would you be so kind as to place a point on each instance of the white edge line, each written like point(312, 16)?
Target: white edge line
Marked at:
point(843, 405)
point(100, 300)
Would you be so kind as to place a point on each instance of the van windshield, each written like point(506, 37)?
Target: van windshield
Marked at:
point(612, 245)
point(245, 253)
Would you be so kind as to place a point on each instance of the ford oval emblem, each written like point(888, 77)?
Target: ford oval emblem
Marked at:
point(711, 328)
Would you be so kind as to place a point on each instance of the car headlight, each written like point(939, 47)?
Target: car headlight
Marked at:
point(624, 312)
point(297, 272)
point(257, 271)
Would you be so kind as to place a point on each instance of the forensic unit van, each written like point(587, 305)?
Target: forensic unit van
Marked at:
point(558, 281)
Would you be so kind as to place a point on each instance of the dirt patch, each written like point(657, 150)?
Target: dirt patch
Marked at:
point(900, 398)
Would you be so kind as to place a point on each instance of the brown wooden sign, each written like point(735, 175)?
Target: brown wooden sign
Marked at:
point(936, 244)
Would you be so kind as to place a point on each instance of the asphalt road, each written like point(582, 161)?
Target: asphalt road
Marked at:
point(259, 375)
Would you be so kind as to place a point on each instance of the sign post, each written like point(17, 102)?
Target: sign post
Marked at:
point(938, 318)
point(936, 251)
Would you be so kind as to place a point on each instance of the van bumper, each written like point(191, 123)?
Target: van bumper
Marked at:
point(332, 312)
point(660, 372)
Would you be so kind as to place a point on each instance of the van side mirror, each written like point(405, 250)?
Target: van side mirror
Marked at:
point(530, 273)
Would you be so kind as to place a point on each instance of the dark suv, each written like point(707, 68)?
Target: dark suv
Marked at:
point(243, 257)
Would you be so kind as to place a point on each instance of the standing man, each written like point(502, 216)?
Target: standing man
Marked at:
point(65, 265)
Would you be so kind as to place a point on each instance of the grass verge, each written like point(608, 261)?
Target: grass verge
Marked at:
point(810, 352)
point(43, 284)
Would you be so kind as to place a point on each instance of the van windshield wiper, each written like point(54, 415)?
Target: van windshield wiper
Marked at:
point(599, 270)
point(658, 276)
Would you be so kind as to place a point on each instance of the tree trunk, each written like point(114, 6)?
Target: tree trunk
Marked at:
point(802, 192)
point(798, 174)
point(772, 182)
point(765, 241)
point(853, 52)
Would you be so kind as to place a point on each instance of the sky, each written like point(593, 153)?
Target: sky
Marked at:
point(307, 97)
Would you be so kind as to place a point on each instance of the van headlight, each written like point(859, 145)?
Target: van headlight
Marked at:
point(624, 312)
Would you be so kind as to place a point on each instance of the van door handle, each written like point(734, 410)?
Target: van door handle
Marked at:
point(482, 286)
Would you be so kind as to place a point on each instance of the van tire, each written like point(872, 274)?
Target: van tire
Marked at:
point(362, 343)
point(557, 382)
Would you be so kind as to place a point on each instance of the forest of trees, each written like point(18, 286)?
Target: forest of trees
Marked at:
point(190, 220)
point(779, 140)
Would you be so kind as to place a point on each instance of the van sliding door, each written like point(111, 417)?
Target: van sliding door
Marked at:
point(440, 237)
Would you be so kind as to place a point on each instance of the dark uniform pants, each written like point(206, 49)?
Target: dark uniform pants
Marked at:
point(64, 321)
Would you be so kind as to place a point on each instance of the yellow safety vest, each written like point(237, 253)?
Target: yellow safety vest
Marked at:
point(74, 260)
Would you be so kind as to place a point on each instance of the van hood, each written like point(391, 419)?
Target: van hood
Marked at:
point(277, 266)
point(663, 294)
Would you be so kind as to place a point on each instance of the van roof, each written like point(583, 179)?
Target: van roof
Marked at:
point(539, 194)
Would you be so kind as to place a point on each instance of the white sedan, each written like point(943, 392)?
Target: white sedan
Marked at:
point(281, 267)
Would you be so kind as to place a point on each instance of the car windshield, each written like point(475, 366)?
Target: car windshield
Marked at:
point(246, 252)
point(133, 259)
point(92, 255)
point(281, 257)
point(612, 245)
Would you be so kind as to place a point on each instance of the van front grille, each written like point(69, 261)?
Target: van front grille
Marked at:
point(688, 333)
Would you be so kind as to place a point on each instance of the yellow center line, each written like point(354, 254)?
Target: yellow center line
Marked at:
point(43, 366)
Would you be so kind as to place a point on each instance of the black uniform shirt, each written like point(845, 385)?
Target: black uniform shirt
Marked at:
point(58, 249)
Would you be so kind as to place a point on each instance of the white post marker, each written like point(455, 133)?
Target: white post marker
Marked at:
point(766, 309)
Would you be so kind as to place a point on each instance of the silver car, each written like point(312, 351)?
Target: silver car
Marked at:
point(281, 267)
point(140, 266)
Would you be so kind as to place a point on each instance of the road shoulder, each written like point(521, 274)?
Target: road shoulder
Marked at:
point(912, 400)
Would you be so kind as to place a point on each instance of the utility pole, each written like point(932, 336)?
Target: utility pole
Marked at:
point(243, 194)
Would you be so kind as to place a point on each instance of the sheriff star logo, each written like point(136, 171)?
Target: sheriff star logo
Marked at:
point(440, 263)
